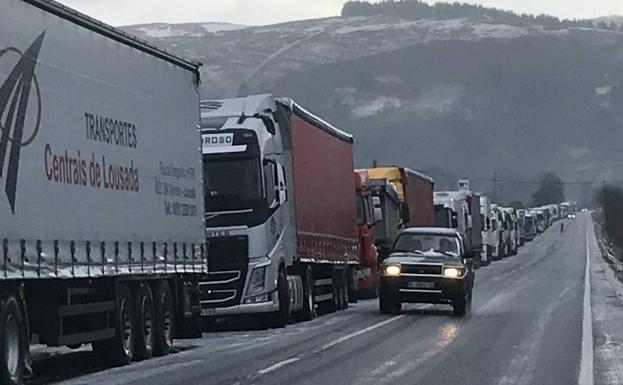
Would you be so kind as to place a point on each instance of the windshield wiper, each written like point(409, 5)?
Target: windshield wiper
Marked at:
point(447, 253)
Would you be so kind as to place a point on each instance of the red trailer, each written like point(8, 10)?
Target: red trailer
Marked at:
point(419, 198)
point(324, 191)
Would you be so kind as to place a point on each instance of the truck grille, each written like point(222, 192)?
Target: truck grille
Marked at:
point(421, 269)
point(228, 263)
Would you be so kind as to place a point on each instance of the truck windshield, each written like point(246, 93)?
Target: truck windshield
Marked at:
point(232, 184)
point(413, 243)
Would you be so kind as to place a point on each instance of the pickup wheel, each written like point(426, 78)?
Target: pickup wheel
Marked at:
point(145, 317)
point(13, 339)
point(462, 306)
point(388, 303)
point(119, 350)
point(279, 319)
point(309, 306)
point(164, 317)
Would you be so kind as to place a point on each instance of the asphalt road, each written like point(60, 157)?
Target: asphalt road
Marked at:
point(526, 328)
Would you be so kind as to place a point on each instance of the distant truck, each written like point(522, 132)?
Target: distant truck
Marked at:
point(281, 219)
point(460, 210)
point(415, 191)
point(102, 213)
point(499, 226)
point(527, 222)
point(511, 231)
point(490, 235)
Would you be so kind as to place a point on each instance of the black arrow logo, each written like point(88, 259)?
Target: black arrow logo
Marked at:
point(14, 98)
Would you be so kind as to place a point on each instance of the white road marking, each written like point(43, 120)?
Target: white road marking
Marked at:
point(326, 346)
point(586, 364)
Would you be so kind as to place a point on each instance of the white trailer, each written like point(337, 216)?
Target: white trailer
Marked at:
point(102, 208)
point(490, 230)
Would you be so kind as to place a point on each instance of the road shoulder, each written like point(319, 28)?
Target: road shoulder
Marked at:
point(607, 309)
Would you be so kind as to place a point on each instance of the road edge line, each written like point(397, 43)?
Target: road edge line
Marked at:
point(586, 376)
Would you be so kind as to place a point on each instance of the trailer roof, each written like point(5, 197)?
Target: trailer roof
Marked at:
point(116, 34)
point(301, 112)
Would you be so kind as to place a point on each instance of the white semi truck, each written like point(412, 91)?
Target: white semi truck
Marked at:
point(490, 230)
point(281, 217)
point(101, 237)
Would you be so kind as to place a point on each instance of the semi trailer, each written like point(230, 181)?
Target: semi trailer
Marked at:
point(102, 228)
point(280, 213)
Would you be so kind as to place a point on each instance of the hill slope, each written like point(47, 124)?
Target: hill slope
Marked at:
point(469, 96)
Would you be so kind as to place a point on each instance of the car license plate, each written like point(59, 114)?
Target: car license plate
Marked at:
point(421, 285)
point(208, 312)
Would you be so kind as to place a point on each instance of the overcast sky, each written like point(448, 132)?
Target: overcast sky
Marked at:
point(258, 12)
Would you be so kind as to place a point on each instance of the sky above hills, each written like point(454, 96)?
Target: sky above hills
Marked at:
point(260, 12)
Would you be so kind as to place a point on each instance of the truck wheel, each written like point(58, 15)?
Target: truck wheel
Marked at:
point(346, 289)
point(338, 290)
point(279, 319)
point(119, 350)
point(388, 303)
point(13, 339)
point(164, 325)
point(309, 307)
point(145, 336)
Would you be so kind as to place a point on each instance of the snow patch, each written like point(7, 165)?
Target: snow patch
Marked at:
point(222, 27)
point(498, 31)
point(158, 32)
point(604, 90)
point(376, 106)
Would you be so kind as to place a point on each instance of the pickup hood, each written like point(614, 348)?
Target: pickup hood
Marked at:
point(429, 257)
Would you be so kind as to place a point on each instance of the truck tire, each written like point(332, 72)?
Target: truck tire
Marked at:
point(388, 303)
point(13, 340)
point(279, 319)
point(338, 290)
point(164, 325)
point(120, 349)
point(346, 289)
point(145, 317)
point(309, 306)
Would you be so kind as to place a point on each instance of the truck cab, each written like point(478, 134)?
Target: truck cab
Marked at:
point(246, 203)
point(460, 210)
point(490, 235)
point(511, 230)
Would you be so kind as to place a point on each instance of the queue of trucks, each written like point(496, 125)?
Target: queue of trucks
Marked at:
point(132, 211)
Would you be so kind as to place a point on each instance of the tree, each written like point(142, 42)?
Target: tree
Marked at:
point(602, 25)
point(613, 26)
point(610, 198)
point(517, 205)
point(550, 190)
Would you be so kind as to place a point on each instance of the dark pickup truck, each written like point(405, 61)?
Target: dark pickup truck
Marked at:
point(427, 265)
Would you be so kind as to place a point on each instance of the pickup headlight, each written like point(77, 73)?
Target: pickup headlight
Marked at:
point(392, 270)
point(256, 283)
point(452, 272)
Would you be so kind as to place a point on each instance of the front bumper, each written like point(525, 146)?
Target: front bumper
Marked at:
point(251, 308)
point(445, 290)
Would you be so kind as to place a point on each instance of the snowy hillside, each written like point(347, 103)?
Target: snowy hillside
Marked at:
point(467, 85)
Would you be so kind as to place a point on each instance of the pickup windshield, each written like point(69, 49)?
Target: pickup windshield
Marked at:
point(413, 243)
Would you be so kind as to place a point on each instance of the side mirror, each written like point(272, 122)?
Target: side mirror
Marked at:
point(377, 209)
point(470, 254)
point(455, 221)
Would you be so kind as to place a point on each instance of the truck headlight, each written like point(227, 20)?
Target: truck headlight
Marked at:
point(392, 270)
point(452, 272)
point(258, 278)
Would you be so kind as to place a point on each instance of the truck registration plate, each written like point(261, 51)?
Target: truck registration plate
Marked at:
point(421, 285)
